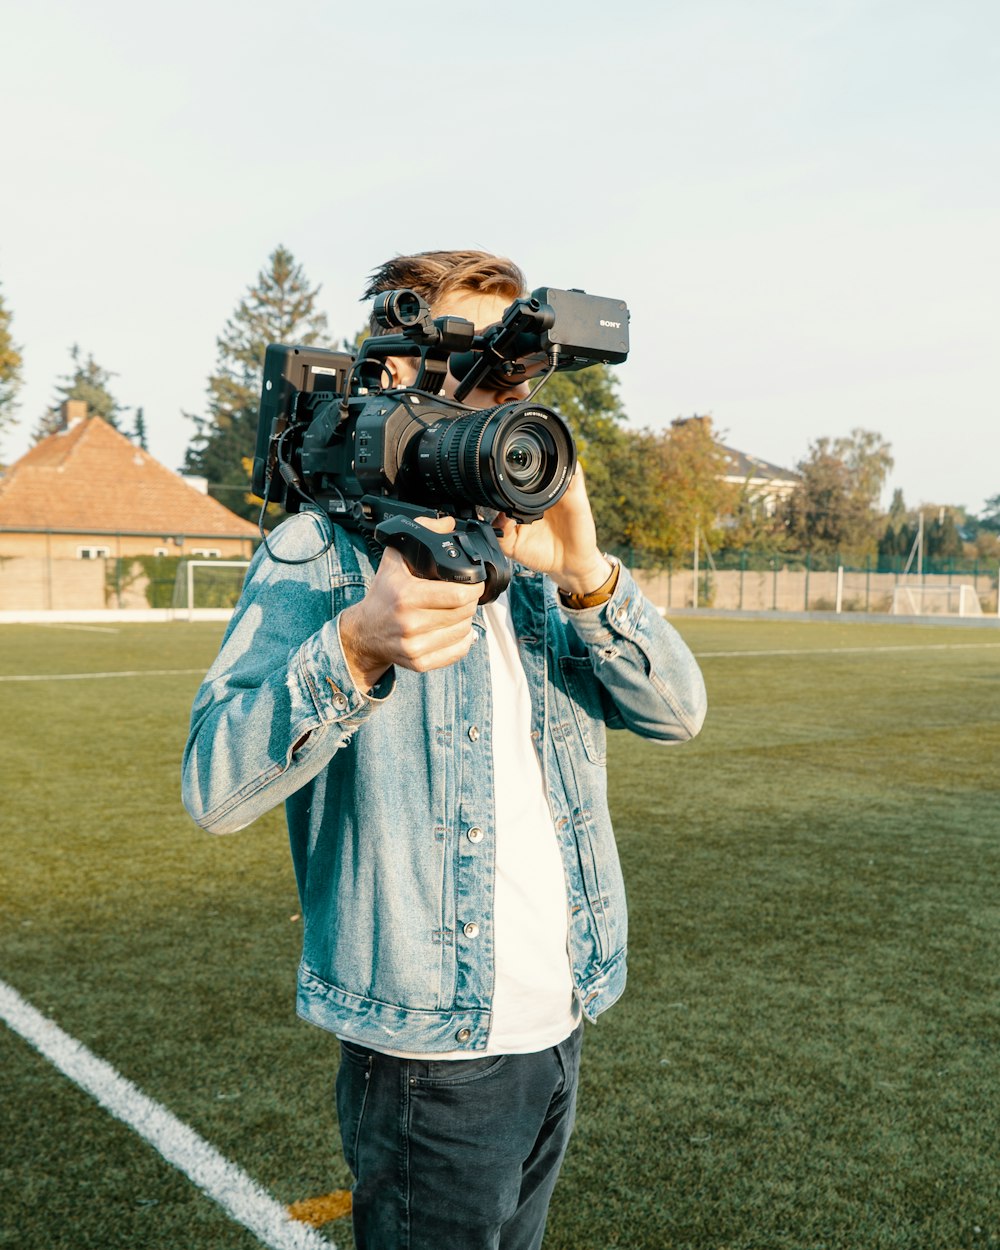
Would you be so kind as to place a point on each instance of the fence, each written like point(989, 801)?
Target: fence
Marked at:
point(748, 581)
point(734, 581)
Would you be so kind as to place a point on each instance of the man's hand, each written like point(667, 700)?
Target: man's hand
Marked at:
point(406, 620)
point(562, 543)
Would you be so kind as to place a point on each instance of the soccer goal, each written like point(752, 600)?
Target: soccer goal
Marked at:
point(208, 589)
point(925, 600)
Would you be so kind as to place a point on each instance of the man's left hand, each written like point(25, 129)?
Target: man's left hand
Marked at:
point(562, 543)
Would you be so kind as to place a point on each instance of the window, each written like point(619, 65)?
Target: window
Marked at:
point(161, 551)
point(211, 553)
point(93, 553)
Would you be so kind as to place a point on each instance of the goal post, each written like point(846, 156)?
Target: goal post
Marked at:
point(958, 599)
point(208, 589)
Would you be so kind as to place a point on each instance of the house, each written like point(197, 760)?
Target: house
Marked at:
point(86, 493)
point(766, 484)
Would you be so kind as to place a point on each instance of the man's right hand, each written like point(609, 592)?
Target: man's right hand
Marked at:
point(406, 620)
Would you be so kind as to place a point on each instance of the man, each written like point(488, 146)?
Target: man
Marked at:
point(443, 770)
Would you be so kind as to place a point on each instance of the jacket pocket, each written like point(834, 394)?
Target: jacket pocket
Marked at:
point(588, 709)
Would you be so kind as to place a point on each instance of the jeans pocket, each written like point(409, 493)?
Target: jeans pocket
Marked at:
point(353, 1084)
point(438, 1073)
point(355, 1053)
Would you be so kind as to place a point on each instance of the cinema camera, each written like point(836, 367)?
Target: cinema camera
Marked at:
point(373, 457)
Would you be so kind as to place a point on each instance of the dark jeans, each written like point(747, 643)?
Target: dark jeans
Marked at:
point(455, 1154)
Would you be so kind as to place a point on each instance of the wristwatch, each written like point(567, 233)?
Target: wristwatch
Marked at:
point(593, 598)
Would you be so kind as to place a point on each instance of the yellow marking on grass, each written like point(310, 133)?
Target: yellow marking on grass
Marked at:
point(318, 1211)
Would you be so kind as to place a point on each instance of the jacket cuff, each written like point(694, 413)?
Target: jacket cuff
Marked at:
point(326, 687)
point(623, 615)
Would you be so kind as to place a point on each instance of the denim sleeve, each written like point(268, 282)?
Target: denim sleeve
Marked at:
point(646, 669)
point(279, 700)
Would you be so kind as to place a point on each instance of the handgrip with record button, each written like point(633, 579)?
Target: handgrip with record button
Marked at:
point(468, 554)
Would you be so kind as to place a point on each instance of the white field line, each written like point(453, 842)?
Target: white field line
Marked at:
point(224, 1182)
point(702, 655)
point(90, 629)
point(126, 672)
point(928, 646)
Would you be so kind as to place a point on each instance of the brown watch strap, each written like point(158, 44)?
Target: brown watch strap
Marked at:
point(592, 598)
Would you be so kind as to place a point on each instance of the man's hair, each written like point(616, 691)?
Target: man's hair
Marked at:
point(434, 275)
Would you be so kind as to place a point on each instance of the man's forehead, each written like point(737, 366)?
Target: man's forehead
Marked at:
point(481, 308)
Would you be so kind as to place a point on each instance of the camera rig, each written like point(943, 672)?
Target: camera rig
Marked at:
point(335, 433)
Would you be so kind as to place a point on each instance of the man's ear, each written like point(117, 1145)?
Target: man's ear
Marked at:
point(402, 369)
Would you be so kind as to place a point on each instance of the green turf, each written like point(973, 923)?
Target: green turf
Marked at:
point(807, 1054)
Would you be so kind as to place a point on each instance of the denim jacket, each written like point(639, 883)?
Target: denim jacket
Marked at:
point(389, 792)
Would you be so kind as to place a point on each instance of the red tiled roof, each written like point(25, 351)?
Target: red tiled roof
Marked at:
point(90, 478)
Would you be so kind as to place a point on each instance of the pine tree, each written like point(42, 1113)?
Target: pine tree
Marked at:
point(138, 435)
point(990, 516)
point(943, 539)
point(88, 382)
point(10, 371)
point(279, 308)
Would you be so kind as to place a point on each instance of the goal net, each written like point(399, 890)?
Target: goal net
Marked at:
point(208, 587)
point(954, 600)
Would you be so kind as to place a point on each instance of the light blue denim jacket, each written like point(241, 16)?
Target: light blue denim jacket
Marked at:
point(389, 793)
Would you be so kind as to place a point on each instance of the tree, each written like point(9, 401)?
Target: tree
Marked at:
point(751, 523)
point(943, 539)
point(10, 371)
point(869, 461)
point(88, 382)
point(627, 470)
point(897, 509)
point(588, 399)
point(833, 508)
point(279, 308)
point(138, 434)
point(990, 516)
point(692, 494)
point(896, 539)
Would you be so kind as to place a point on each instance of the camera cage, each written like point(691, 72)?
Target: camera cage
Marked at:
point(332, 436)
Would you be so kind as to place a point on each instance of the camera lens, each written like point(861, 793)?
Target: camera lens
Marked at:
point(517, 458)
point(524, 459)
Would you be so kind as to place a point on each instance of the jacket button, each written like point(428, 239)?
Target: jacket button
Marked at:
point(475, 834)
point(474, 733)
point(340, 701)
point(463, 1035)
point(471, 930)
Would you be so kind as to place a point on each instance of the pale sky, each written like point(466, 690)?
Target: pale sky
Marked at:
point(797, 199)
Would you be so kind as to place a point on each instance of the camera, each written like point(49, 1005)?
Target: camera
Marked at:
point(335, 434)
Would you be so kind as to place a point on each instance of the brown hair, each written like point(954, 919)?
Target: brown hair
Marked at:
point(435, 275)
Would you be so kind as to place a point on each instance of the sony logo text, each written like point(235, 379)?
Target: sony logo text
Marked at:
point(612, 325)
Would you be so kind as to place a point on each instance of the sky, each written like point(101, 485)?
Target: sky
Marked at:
point(798, 200)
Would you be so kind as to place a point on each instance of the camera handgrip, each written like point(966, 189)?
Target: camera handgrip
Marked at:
point(468, 554)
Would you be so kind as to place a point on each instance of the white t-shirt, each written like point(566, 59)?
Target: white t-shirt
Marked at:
point(534, 1004)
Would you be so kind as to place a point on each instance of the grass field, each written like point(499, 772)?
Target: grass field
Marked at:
point(808, 1054)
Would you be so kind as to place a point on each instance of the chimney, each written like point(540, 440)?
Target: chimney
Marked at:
point(72, 412)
